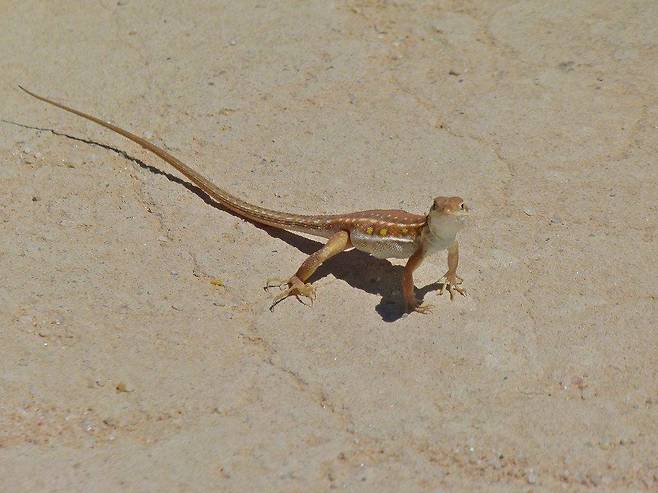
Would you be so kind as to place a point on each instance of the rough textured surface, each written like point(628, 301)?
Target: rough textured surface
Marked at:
point(122, 368)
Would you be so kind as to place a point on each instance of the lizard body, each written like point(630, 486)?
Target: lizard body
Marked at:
point(381, 233)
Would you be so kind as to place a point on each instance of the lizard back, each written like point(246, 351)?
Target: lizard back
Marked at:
point(383, 233)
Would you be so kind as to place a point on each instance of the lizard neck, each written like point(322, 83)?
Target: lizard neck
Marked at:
point(438, 234)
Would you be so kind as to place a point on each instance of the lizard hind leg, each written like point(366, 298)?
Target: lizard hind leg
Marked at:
point(297, 285)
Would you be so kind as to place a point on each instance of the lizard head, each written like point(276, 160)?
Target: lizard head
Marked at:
point(447, 216)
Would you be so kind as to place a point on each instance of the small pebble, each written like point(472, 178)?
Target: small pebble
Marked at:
point(122, 387)
point(531, 477)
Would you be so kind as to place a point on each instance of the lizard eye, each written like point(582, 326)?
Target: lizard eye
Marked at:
point(461, 206)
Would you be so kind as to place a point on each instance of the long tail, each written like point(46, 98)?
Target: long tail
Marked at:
point(295, 222)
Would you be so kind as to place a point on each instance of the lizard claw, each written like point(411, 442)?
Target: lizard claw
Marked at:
point(425, 309)
point(451, 282)
point(274, 282)
point(416, 306)
point(295, 288)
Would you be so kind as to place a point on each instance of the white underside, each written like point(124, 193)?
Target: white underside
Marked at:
point(441, 233)
point(383, 246)
point(435, 244)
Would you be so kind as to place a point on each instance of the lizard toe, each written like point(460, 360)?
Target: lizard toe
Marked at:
point(274, 282)
point(296, 288)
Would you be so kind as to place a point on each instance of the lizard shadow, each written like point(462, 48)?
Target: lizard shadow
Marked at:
point(361, 271)
point(382, 279)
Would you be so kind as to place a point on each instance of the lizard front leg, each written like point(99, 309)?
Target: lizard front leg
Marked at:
point(411, 303)
point(451, 280)
point(297, 285)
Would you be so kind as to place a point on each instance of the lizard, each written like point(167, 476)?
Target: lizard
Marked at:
point(381, 233)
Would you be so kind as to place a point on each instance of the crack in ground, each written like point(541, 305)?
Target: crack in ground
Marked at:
point(431, 107)
point(146, 201)
point(317, 393)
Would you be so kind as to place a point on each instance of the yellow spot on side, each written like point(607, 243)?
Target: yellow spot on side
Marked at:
point(383, 231)
point(370, 230)
point(405, 231)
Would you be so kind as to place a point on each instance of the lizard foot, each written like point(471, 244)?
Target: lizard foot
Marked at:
point(275, 282)
point(425, 309)
point(451, 282)
point(295, 288)
point(418, 307)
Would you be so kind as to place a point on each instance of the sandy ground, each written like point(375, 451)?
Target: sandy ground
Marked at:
point(124, 368)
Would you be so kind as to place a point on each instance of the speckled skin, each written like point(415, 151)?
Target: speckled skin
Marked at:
point(382, 233)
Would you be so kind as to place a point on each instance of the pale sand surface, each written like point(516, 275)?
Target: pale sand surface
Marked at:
point(122, 368)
